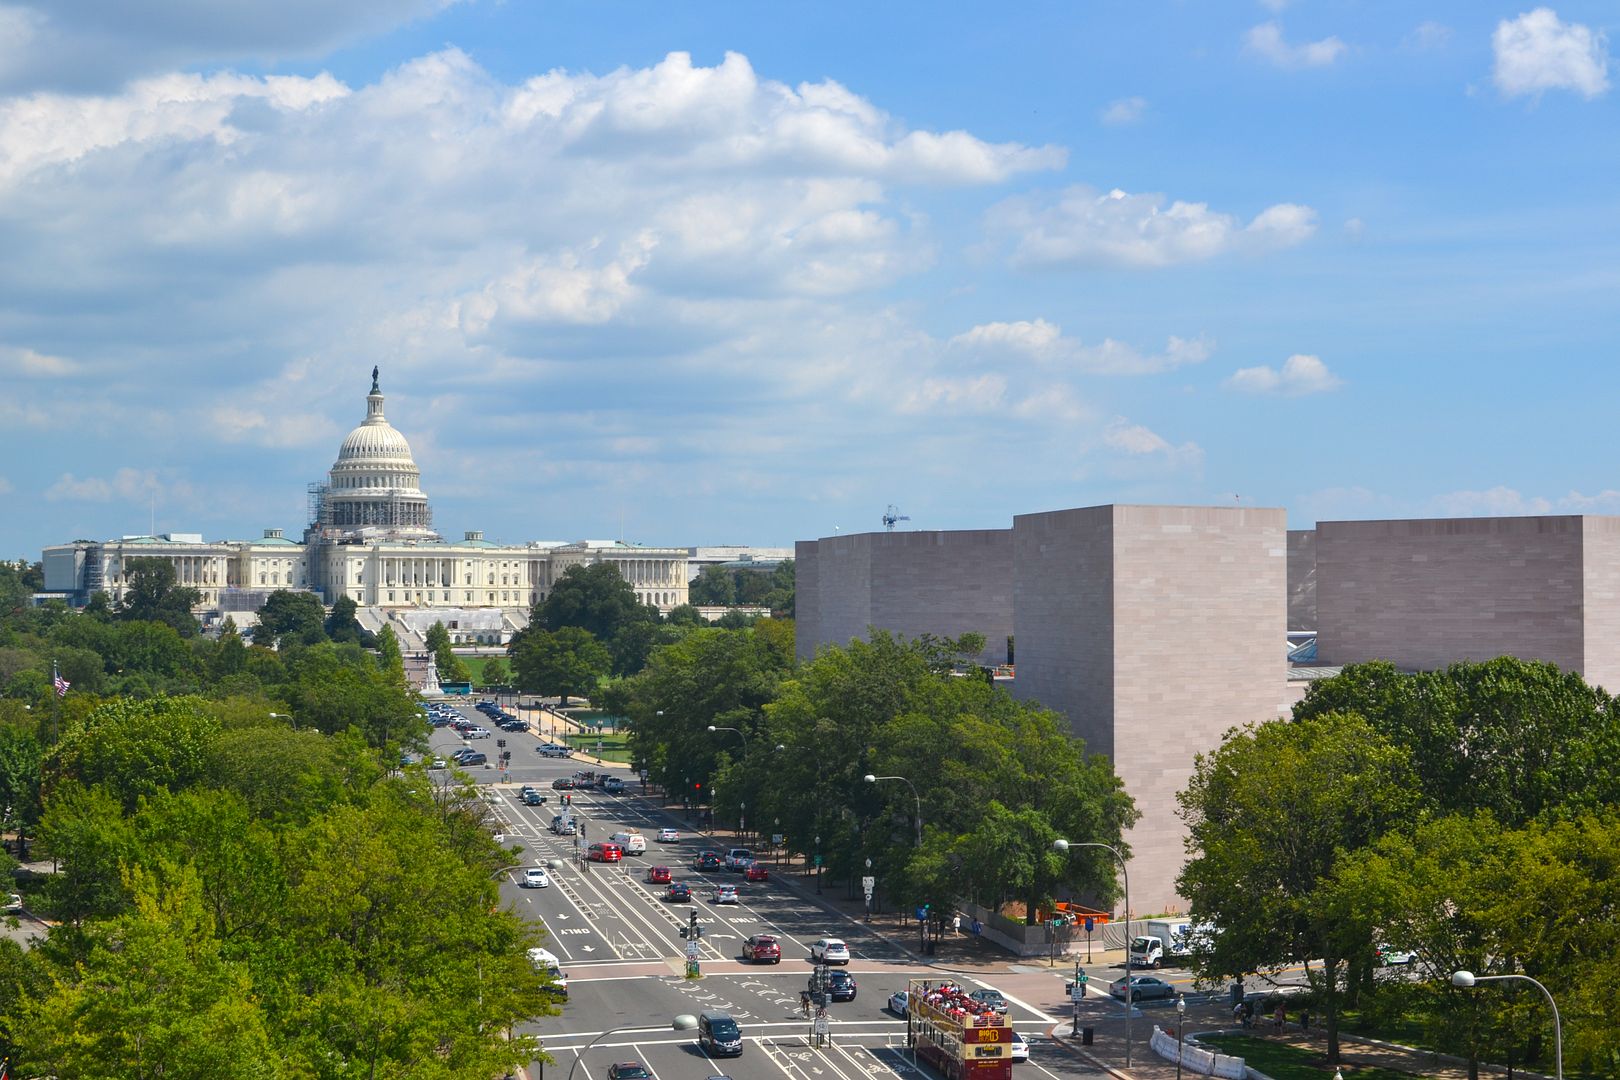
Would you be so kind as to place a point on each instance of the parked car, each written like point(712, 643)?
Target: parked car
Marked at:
point(658, 875)
point(841, 986)
point(724, 894)
point(628, 1070)
point(535, 878)
point(991, 999)
point(678, 890)
point(899, 1004)
point(669, 836)
point(756, 872)
point(478, 733)
point(830, 950)
point(14, 902)
point(1143, 988)
point(1020, 1047)
point(762, 949)
point(1389, 955)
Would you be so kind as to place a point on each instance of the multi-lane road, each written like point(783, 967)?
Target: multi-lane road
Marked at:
point(620, 946)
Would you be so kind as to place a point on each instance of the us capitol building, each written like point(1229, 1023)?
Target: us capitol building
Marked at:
point(371, 538)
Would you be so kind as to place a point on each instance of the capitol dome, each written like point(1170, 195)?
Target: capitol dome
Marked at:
point(374, 486)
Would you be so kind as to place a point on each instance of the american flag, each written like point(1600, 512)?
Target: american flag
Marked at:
point(61, 685)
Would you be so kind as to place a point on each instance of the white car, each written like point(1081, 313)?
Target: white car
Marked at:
point(830, 950)
point(725, 894)
point(478, 733)
point(535, 878)
point(13, 902)
point(1020, 1048)
point(899, 1004)
point(669, 836)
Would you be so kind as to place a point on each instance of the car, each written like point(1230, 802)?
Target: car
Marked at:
point(669, 836)
point(724, 894)
point(658, 875)
point(604, 853)
point(1143, 988)
point(756, 872)
point(535, 878)
point(830, 950)
point(533, 798)
point(471, 757)
point(613, 785)
point(738, 858)
point(840, 986)
point(707, 860)
point(990, 999)
point(678, 890)
point(526, 788)
point(564, 826)
point(628, 1070)
point(478, 733)
point(438, 763)
point(1389, 956)
point(562, 783)
point(900, 1004)
point(13, 902)
point(1020, 1047)
point(513, 724)
point(762, 949)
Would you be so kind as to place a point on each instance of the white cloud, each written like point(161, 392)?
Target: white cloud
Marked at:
point(1300, 374)
point(1080, 227)
point(980, 394)
point(1139, 441)
point(1429, 35)
point(1044, 342)
point(127, 485)
point(1537, 52)
point(26, 363)
point(1126, 110)
point(1267, 41)
point(1503, 501)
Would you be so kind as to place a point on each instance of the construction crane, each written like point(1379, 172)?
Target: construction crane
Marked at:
point(893, 516)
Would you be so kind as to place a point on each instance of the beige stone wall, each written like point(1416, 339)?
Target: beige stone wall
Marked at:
point(1600, 549)
point(1430, 592)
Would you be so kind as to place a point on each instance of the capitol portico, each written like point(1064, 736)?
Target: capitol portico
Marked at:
point(371, 538)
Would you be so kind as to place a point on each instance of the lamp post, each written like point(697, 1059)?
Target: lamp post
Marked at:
point(870, 779)
point(1063, 846)
point(1465, 980)
point(1181, 1023)
point(284, 716)
point(818, 864)
point(683, 1022)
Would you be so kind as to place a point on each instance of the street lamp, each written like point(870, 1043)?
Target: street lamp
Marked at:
point(818, 864)
point(1465, 980)
point(284, 716)
point(1063, 847)
point(870, 779)
point(1181, 1023)
point(683, 1022)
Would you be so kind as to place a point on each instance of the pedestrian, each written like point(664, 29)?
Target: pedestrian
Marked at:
point(1305, 1018)
point(1282, 1017)
point(1237, 991)
point(956, 924)
point(1238, 1016)
point(1248, 1014)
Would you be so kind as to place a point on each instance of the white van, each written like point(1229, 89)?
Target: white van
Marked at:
point(545, 962)
point(633, 843)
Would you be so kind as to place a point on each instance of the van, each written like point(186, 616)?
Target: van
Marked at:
point(719, 1035)
point(547, 964)
point(632, 842)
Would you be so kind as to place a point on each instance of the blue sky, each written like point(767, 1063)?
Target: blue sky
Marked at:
point(718, 273)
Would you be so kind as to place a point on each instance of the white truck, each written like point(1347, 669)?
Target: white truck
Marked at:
point(1161, 941)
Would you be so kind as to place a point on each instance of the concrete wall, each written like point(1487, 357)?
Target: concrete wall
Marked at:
point(806, 600)
point(909, 583)
point(1427, 593)
point(1302, 579)
point(1600, 601)
point(1154, 629)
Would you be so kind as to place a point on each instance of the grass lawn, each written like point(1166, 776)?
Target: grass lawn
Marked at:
point(1283, 1062)
point(613, 746)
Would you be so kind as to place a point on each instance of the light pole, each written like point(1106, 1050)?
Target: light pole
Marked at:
point(870, 779)
point(284, 716)
point(818, 864)
point(1063, 846)
point(683, 1022)
point(1181, 1023)
point(1465, 980)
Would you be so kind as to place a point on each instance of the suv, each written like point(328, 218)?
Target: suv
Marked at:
point(991, 999)
point(465, 758)
point(762, 949)
point(830, 950)
point(719, 1035)
point(604, 853)
point(840, 986)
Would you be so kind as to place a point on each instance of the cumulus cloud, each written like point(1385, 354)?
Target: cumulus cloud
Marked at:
point(1139, 441)
point(979, 394)
point(98, 44)
point(1299, 375)
point(1080, 227)
point(1267, 42)
point(1126, 110)
point(1537, 52)
point(1429, 35)
point(1045, 343)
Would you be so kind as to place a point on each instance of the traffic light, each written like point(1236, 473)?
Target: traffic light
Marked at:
point(697, 785)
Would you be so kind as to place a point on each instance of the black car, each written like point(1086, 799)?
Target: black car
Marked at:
point(840, 985)
point(533, 798)
point(678, 890)
point(562, 783)
point(466, 758)
point(628, 1070)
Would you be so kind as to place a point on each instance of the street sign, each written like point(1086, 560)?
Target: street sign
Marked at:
point(818, 860)
point(868, 883)
point(922, 914)
point(776, 839)
point(821, 1025)
point(692, 949)
point(1078, 993)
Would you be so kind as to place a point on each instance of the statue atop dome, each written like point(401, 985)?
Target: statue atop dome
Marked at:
point(374, 388)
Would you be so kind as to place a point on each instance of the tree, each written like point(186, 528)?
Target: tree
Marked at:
point(565, 662)
point(684, 615)
point(598, 599)
point(289, 617)
point(139, 748)
point(1271, 814)
point(713, 587)
point(21, 762)
point(389, 655)
point(339, 688)
point(447, 664)
point(342, 626)
point(495, 672)
point(151, 595)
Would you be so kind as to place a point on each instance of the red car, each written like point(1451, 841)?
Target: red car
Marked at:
point(756, 872)
point(658, 875)
point(605, 853)
point(762, 949)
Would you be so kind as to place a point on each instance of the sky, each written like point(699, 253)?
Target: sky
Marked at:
point(731, 273)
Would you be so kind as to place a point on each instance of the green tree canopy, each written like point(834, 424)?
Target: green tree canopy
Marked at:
point(566, 662)
point(151, 595)
point(289, 617)
point(447, 664)
point(598, 599)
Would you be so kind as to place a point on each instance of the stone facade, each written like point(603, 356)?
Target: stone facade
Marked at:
point(909, 583)
point(1426, 593)
point(1154, 629)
